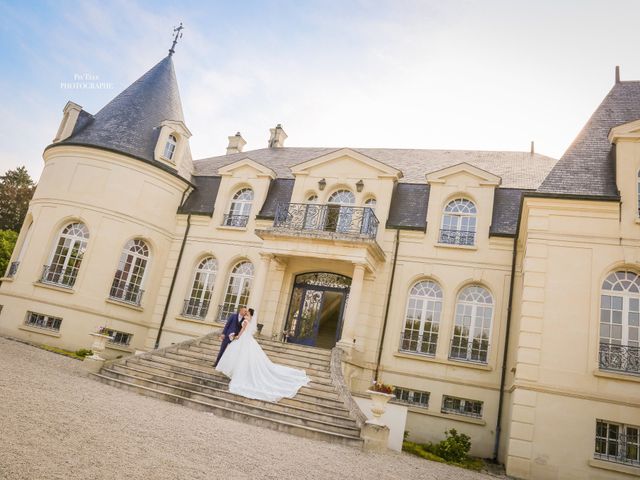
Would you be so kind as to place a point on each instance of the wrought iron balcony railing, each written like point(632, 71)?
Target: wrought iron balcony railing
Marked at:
point(13, 269)
point(457, 237)
point(195, 309)
point(59, 275)
point(343, 219)
point(620, 358)
point(475, 351)
point(231, 220)
point(126, 292)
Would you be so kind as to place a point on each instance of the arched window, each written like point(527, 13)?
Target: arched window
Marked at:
point(238, 290)
point(369, 220)
point(240, 208)
point(459, 223)
point(620, 322)
point(66, 256)
point(339, 216)
point(170, 147)
point(197, 305)
point(129, 278)
point(422, 318)
point(472, 329)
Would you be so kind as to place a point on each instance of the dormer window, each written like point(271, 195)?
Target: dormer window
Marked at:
point(459, 223)
point(170, 147)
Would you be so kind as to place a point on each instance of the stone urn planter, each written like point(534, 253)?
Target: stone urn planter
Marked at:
point(379, 405)
point(99, 343)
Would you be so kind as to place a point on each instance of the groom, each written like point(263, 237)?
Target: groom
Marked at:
point(231, 329)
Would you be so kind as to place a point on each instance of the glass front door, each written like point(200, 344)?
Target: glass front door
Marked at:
point(316, 309)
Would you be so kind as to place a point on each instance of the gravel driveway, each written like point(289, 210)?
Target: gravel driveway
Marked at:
point(55, 424)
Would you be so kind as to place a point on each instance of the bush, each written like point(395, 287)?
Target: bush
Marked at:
point(83, 352)
point(454, 448)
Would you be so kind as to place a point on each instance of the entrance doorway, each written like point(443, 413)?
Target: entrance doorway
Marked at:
point(316, 309)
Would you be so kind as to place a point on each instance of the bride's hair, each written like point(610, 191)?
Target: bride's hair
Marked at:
point(251, 311)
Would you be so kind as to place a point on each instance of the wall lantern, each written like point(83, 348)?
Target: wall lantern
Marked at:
point(321, 184)
point(359, 185)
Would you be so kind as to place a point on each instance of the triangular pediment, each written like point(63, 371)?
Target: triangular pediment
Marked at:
point(626, 131)
point(484, 177)
point(261, 170)
point(381, 169)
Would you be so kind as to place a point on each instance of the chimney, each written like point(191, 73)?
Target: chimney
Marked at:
point(617, 73)
point(277, 137)
point(236, 143)
point(533, 150)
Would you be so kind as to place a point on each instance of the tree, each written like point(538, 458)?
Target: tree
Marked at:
point(16, 189)
point(7, 242)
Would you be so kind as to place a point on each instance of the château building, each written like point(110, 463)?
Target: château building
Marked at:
point(498, 291)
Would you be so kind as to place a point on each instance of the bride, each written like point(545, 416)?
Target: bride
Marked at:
point(252, 374)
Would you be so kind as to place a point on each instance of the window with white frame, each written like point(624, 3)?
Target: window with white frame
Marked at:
point(461, 406)
point(129, 278)
point(412, 397)
point(170, 147)
point(238, 290)
point(472, 328)
point(459, 223)
point(67, 256)
point(122, 339)
point(339, 214)
point(239, 209)
point(40, 320)
point(620, 323)
point(422, 318)
point(617, 442)
point(197, 305)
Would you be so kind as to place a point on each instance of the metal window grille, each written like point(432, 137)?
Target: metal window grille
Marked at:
point(462, 406)
point(13, 269)
point(617, 442)
point(412, 397)
point(127, 282)
point(46, 322)
point(67, 256)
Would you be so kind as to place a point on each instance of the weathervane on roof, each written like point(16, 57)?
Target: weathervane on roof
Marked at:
point(178, 32)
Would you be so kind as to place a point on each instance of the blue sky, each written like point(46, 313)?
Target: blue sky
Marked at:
point(461, 74)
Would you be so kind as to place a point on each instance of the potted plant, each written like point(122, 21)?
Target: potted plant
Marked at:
point(380, 394)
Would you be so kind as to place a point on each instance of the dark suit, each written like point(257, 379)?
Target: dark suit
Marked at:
point(233, 325)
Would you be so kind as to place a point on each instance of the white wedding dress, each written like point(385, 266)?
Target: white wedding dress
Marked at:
point(253, 375)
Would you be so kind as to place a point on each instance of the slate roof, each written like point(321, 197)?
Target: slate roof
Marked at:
point(409, 204)
point(588, 166)
point(280, 190)
point(202, 199)
point(517, 169)
point(130, 122)
point(506, 208)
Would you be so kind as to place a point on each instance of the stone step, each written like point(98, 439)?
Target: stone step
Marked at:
point(324, 389)
point(313, 374)
point(320, 353)
point(275, 357)
point(285, 405)
point(213, 348)
point(303, 400)
point(255, 419)
point(263, 409)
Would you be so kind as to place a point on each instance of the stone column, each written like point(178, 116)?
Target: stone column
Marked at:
point(259, 281)
point(350, 318)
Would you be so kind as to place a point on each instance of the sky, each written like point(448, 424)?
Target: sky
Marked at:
point(460, 74)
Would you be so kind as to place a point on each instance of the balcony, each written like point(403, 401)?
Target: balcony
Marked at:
point(620, 358)
point(344, 220)
point(13, 269)
point(126, 293)
point(457, 237)
point(59, 276)
point(195, 309)
point(230, 220)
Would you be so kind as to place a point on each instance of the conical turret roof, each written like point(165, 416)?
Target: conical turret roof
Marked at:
point(130, 122)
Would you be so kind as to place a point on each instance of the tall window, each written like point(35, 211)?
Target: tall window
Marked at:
point(339, 211)
point(129, 278)
point(238, 290)
point(472, 329)
point(170, 147)
point(616, 442)
point(459, 223)
point(240, 208)
point(197, 305)
point(67, 256)
point(422, 318)
point(620, 322)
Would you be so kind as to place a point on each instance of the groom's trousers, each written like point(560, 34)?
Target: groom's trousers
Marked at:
point(223, 347)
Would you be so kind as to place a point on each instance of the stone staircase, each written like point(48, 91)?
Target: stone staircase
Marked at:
point(184, 374)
